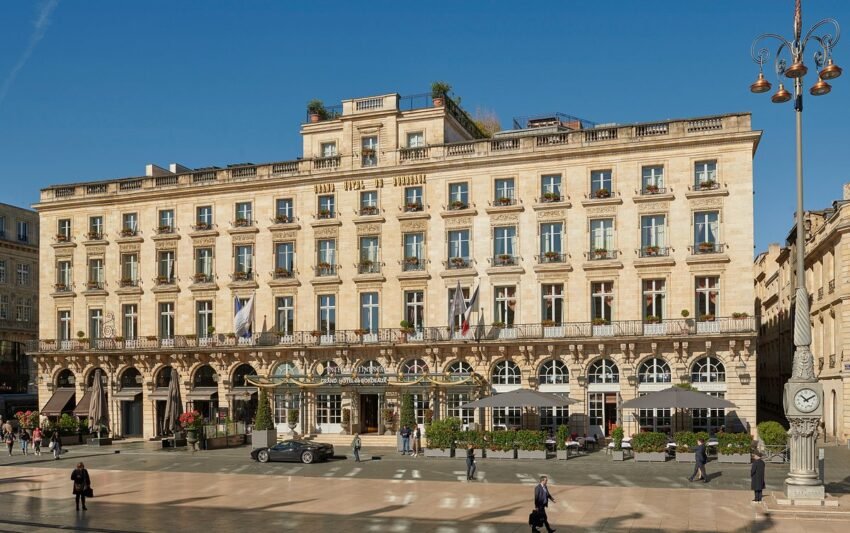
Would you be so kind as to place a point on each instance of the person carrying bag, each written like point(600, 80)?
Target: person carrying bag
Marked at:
point(82, 485)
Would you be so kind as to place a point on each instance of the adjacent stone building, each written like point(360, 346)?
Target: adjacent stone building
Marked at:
point(18, 307)
point(827, 275)
point(586, 245)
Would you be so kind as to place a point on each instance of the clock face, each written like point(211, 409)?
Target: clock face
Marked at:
point(806, 400)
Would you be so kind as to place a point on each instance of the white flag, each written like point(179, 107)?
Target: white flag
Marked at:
point(244, 318)
point(458, 307)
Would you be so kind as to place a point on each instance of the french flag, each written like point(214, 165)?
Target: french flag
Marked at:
point(464, 328)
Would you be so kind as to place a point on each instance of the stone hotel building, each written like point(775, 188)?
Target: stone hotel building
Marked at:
point(587, 243)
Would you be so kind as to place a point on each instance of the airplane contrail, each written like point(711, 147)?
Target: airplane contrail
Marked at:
point(39, 29)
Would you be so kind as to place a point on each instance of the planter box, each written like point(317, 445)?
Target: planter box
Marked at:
point(686, 457)
point(216, 443)
point(738, 458)
point(263, 438)
point(436, 452)
point(654, 457)
point(562, 455)
point(105, 441)
point(65, 440)
point(531, 454)
point(495, 454)
point(618, 455)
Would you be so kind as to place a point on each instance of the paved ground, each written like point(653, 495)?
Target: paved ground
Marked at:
point(143, 489)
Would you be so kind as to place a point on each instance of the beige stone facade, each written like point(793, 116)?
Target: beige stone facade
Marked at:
point(585, 243)
point(18, 307)
point(827, 273)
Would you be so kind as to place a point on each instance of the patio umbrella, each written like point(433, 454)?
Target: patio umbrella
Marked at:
point(522, 398)
point(677, 398)
point(97, 404)
point(173, 405)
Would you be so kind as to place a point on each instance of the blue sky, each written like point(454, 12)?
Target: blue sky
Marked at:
point(97, 89)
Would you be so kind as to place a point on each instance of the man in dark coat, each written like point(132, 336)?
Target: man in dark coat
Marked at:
point(541, 502)
point(405, 440)
point(701, 458)
point(757, 476)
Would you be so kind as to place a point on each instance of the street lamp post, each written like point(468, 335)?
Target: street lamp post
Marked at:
point(803, 394)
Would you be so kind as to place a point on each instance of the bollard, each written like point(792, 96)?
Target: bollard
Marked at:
point(821, 462)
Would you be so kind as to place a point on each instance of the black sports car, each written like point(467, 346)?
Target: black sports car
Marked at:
point(294, 450)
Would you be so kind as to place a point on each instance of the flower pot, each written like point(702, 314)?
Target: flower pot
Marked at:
point(438, 102)
point(314, 117)
point(263, 438)
point(618, 455)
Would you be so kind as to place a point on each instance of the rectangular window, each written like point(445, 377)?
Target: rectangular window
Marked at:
point(23, 274)
point(204, 217)
point(63, 332)
point(505, 307)
point(63, 230)
point(706, 231)
point(205, 323)
point(166, 265)
point(284, 211)
point(328, 409)
point(600, 183)
point(652, 180)
point(95, 324)
point(458, 195)
point(129, 270)
point(654, 419)
point(602, 301)
point(4, 306)
point(454, 401)
point(416, 139)
point(369, 312)
point(458, 253)
point(413, 199)
point(129, 224)
point(707, 297)
point(414, 309)
point(369, 203)
point(326, 257)
point(327, 314)
point(3, 271)
point(23, 310)
point(328, 149)
point(652, 235)
point(705, 175)
point(130, 321)
point(654, 294)
point(507, 417)
point(554, 417)
point(710, 420)
point(244, 213)
point(551, 245)
point(166, 320)
point(414, 253)
point(203, 265)
point(95, 228)
point(505, 193)
point(63, 275)
point(602, 238)
point(504, 245)
point(2, 226)
point(369, 255)
point(369, 151)
point(326, 206)
point(285, 315)
point(550, 188)
point(552, 309)
point(284, 259)
point(166, 221)
point(244, 262)
point(23, 231)
point(282, 404)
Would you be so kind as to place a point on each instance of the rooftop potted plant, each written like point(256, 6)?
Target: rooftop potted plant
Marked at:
point(165, 229)
point(316, 333)
point(369, 210)
point(498, 324)
point(439, 92)
point(411, 260)
point(62, 237)
point(280, 272)
point(602, 193)
point(94, 235)
point(650, 446)
point(316, 110)
point(201, 226)
point(547, 323)
point(324, 268)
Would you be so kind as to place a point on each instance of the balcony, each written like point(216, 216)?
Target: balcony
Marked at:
point(654, 251)
point(367, 266)
point(820, 294)
point(326, 270)
point(504, 260)
point(326, 163)
point(413, 264)
point(551, 257)
point(458, 263)
point(442, 334)
point(413, 154)
point(601, 254)
point(705, 247)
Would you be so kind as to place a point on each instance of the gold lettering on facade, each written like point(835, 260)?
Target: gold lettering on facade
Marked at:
point(379, 183)
point(404, 181)
point(323, 188)
point(354, 185)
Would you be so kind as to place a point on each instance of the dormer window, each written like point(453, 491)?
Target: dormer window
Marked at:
point(329, 149)
point(416, 140)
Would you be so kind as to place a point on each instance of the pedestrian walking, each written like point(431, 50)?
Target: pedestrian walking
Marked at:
point(82, 485)
point(9, 439)
point(417, 441)
point(470, 462)
point(25, 441)
point(757, 476)
point(541, 502)
point(405, 440)
point(56, 444)
point(37, 435)
point(701, 458)
point(355, 447)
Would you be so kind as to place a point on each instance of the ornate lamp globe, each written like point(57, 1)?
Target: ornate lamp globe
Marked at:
point(820, 88)
point(797, 70)
point(761, 85)
point(781, 95)
point(830, 71)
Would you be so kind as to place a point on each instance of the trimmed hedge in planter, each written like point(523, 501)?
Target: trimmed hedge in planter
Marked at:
point(436, 452)
point(686, 442)
point(441, 435)
point(650, 446)
point(734, 447)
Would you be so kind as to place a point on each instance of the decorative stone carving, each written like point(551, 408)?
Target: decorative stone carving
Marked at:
point(129, 247)
point(284, 235)
point(165, 245)
point(550, 214)
point(64, 252)
point(204, 241)
point(329, 231)
point(368, 229)
point(707, 202)
point(413, 225)
point(243, 237)
point(654, 207)
point(503, 218)
point(802, 426)
point(96, 250)
point(458, 222)
point(606, 210)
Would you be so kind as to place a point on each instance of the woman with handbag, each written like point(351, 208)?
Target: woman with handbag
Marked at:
point(36, 440)
point(9, 439)
point(56, 444)
point(82, 485)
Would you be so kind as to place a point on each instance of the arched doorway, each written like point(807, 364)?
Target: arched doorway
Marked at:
point(243, 396)
point(603, 386)
point(129, 395)
point(204, 394)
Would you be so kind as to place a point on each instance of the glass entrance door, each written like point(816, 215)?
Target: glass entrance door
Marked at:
point(368, 413)
point(602, 413)
point(131, 418)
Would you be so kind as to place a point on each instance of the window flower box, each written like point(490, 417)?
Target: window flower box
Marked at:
point(240, 276)
point(651, 250)
point(505, 259)
point(128, 232)
point(201, 277)
point(602, 193)
point(600, 253)
point(651, 189)
point(705, 247)
point(458, 262)
point(707, 184)
point(282, 219)
point(552, 257)
point(457, 205)
point(202, 226)
point(241, 222)
point(413, 206)
point(165, 229)
point(325, 213)
point(504, 200)
point(411, 260)
point(550, 197)
point(282, 273)
point(61, 237)
point(368, 210)
point(94, 236)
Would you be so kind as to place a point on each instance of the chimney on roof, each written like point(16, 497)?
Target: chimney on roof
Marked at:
point(177, 168)
point(155, 170)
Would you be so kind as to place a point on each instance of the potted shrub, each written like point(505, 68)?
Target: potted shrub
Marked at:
point(530, 444)
point(501, 445)
point(193, 423)
point(389, 421)
point(440, 437)
point(707, 184)
point(617, 434)
point(264, 434)
point(551, 196)
point(650, 446)
point(457, 204)
point(316, 110)
point(94, 236)
point(561, 436)
point(346, 421)
point(602, 193)
point(165, 229)
point(734, 447)
point(547, 323)
point(316, 333)
point(369, 210)
point(324, 268)
point(202, 226)
point(282, 273)
point(774, 441)
point(61, 237)
point(685, 313)
point(292, 420)
point(439, 92)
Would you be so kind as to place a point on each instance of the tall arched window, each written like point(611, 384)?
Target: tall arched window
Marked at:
point(553, 372)
point(284, 369)
point(708, 370)
point(131, 378)
point(242, 371)
point(654, 370)
point(413, 369)
point(205, 376)
point(65, 379)
point(506, 373)
point(370, 367)
point(163, 378)
point(459, 370)
point(603, 371)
